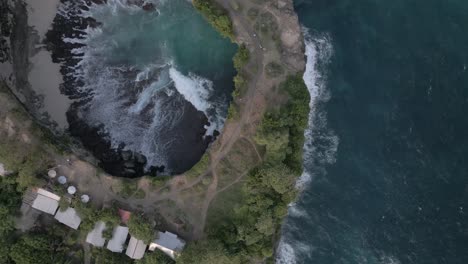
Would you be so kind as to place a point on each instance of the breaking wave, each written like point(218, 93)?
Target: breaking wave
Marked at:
point(134, 98)
point(321, 143)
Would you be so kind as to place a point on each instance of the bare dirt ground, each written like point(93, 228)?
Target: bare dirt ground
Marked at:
point(181, 204)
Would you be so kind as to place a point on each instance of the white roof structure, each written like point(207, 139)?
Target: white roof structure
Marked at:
point(52, 173)
point(168, 243)
point(119, 236)
point(69, 218)
point(2, 170)
point(62, 179)
point(84, 198)
point(46, 202)
point(71, 190)
point(95, 237)
point(136, 248)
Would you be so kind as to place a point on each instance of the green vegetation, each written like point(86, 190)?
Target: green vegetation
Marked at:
point(90, 215)
point(274, 70)
point(10, 200)
point(104, 256)
point(26, 161)
point(232, 111)
point(207, 252)
point(200, 168)
point(247, 232)
point(40, 246)
point(241, 58)
point(216, 16)
point(282, 131)
point(64, 204)
point(140, 228)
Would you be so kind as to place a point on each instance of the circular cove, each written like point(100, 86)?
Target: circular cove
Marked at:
point(150, 81)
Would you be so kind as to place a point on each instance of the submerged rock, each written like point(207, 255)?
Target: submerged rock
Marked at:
point(149, 7)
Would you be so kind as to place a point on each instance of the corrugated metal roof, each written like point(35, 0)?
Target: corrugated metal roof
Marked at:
point(136, 248)
point(119, 236)
point(45, 204)
point(48, 194)
point(69, 218)
point(95, 237)
point(169, 243)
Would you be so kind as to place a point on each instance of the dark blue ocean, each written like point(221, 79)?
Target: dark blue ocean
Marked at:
point(386, 159)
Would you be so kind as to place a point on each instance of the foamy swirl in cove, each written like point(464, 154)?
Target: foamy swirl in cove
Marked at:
point(133, 86)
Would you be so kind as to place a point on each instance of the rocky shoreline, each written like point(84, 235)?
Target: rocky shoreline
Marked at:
point(114, 160)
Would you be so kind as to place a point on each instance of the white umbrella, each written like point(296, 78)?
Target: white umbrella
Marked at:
point(62, 179)
point(52, 174)
point(71, 190)
point(84, 198)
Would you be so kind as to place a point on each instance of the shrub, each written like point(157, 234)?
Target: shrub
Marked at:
point(241, 58)
point(216, 16)
point(140, 228)
point(273, 69)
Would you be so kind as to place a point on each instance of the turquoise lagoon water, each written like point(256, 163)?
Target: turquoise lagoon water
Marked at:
point(152, 80)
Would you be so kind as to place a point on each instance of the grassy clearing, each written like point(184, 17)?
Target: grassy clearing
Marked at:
point(200, 168)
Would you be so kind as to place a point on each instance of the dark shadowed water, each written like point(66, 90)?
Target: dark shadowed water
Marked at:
point(388, 148)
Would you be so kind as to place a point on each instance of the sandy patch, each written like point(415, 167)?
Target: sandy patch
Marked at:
point(41, 14)
point(45, 79)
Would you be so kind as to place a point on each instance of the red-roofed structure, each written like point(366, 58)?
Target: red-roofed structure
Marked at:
point(124, 216)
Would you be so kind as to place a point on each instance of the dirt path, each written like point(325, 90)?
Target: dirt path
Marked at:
point(187, 199)
point(254, 100)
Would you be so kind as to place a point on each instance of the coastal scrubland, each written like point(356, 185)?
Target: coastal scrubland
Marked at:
point(229, 206)
point(246, 227)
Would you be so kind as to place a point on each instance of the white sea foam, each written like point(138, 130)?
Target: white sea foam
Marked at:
point(289, 252)
point(321, 143)
point(389, 260)
point(318, 52)
point(286, 253)
point(197, 91)
point(134, 103)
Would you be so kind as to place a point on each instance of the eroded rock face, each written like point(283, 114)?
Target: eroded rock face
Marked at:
point(149, 7)
point(291, 35)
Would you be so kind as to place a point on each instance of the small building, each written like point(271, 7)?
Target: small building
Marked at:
point(71, 190)
point(46, 201)
point(62, 180)
point(136, 248)
point(95, 237)
point(69, 218)
point(52, 174)
point(124, 216)
point(119, 236)
point(168, 243)
point(84, 198)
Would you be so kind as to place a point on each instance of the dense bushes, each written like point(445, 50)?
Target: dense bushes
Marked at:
point(140, 228)
point(241, 58)
point(247, 235)
point(282, 131)
point(24, 160)
point(29, 248)
point(216, 16)
point(10, 201)
point(38, 248)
